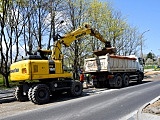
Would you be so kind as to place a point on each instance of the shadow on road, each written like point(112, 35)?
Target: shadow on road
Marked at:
point(135, 83)
point(65, 96)
point(7, 100)
point(87, 92)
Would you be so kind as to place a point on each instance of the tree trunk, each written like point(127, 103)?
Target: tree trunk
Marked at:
point(6, 80)
point(76, 76)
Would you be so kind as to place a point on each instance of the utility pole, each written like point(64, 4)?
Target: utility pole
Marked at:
point(142, 42)
point(159, 58)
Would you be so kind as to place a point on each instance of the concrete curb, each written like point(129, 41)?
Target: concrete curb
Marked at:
point(6, 96)
point(7, 99)
point(147, 116)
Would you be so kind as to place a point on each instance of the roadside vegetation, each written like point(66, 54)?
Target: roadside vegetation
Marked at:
point(1, 80)
point(2, 83)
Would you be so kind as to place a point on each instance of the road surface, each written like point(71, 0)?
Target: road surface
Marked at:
point(113, 104)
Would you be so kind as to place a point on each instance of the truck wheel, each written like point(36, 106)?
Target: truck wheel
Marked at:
point(125, 80)
point(118, 81)
point(76, 88)
point(98, 85)
point(18, 94)
point(140, 78)
point(40, 94)
point(30, 93)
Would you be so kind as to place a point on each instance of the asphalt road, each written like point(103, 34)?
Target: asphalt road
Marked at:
point(113, 104)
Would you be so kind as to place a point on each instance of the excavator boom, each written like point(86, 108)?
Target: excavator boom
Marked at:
point(74, 35)
point(80, 32)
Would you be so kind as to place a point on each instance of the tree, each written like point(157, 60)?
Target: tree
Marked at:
point(97, 14)
point(151, 56)
point(76, 10)
point(4, 69)
point(129, 42)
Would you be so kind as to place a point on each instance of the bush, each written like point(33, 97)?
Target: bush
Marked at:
point(1, 79)
point(157, 68)
point(149, 66)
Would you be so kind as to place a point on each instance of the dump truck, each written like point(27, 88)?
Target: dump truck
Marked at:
point(110, 70)
point(39, 76)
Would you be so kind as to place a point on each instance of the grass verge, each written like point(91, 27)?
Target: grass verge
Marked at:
point(2, 83)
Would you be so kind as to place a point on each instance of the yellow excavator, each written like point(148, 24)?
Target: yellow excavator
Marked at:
point(39, 77)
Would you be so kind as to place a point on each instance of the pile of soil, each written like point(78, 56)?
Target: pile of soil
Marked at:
point(152, 73)
point(153, 108)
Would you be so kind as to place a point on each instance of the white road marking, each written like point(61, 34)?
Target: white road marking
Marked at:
point(131, 116)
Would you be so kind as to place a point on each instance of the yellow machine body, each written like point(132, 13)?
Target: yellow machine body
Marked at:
point(37, 70)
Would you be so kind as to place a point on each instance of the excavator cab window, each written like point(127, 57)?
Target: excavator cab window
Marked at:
point(108, 44)
point(43, 54)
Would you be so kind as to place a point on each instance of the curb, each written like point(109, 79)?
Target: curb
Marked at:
point(6, 96)
point(7, 99)
point(147, 116)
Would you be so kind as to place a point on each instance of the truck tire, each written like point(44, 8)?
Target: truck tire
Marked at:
point(18, 94)
point(40, 94)
point(140, 78)
point(118, 81)
point(97, 85)
point(125, 80)
point(30, 93)
point(76, 88)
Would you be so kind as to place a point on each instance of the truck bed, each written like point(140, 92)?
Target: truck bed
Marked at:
point(110, 63)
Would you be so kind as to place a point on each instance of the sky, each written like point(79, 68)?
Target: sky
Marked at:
point(144, 15)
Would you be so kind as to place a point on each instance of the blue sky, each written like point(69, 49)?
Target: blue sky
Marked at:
point(145, 15)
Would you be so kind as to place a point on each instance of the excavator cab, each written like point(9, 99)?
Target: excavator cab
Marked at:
point(44, 54)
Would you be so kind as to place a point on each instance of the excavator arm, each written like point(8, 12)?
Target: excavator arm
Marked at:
point(80, 32)
point(74, 35)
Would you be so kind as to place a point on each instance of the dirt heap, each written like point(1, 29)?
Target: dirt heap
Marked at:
point(153, 108)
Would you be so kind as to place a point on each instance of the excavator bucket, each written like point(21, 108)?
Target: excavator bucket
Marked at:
point(107, 50)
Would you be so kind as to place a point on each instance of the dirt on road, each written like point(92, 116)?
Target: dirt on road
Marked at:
point(152, 73)
point(153, 108)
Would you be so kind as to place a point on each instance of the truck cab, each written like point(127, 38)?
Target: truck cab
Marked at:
point(140, 64)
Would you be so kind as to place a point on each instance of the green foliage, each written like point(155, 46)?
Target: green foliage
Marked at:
point(4, 4)
point(1, 80)
point(151, 56)
point(2, 86)
point(109, 22)
point(149, 66)
point(157, 68)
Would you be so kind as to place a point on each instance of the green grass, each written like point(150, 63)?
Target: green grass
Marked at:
point(157, 68)
point(2, 86)
point(149, 66)
point(154, 67)
point(1, 79)
point(1, 82)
